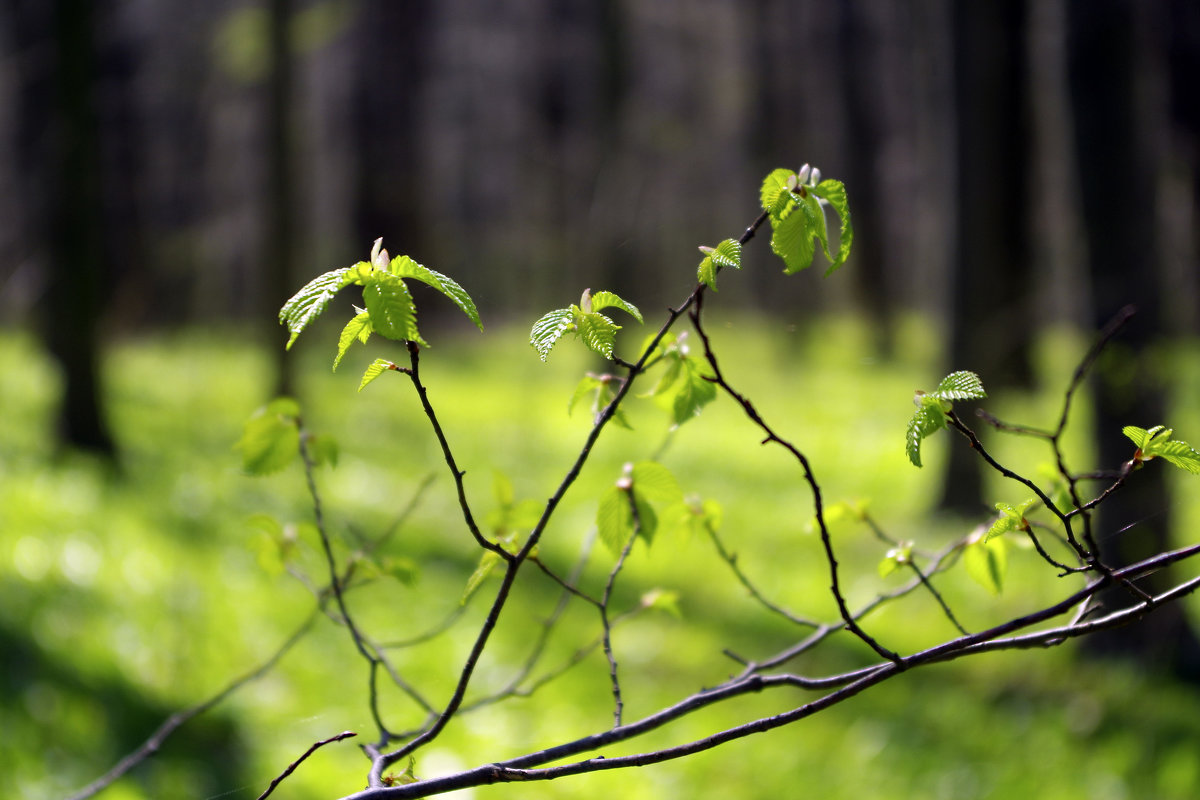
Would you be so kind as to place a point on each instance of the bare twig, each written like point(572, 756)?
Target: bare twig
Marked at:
point(292, 767)
point(152, 745)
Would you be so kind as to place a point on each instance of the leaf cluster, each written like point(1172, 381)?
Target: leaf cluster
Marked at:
point(388, 304)
point(932, 407)
point(1157, 443)
point(584, 319)
point(795, 205)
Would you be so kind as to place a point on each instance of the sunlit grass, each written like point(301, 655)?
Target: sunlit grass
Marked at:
point(137, 593)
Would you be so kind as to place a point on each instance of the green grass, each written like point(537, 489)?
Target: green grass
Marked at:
point(124, 597)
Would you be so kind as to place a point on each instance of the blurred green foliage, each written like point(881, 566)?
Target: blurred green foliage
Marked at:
point(128, 594)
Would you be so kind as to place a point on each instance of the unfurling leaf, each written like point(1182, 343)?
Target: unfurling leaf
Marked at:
point(961, 385)
point(549, 329)
point(1157, 443)
point(391, 308)
point(932, 408)
point(727, 254)
point(794, 206)
point(358, 328)
point(307, 304)
point(377, 368)
point(405, 267)
point(596, 330)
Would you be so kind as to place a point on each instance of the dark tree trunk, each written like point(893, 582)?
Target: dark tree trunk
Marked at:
point(1117, 172)
point(858, 73)
point(280, 217)
point(393, 63)
point(78, 272)
point(991, 321)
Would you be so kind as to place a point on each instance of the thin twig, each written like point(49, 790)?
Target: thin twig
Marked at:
point(809, 477)
point(292, 767)
point(152, 745)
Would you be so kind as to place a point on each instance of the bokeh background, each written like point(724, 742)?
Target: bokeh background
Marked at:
point(170, 172)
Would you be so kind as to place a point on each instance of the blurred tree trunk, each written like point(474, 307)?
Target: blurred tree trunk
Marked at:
point(280, 237)
point(78, 271)
point(1107, 61)
point(859, 75)
point(991, 319)
point(395, 40)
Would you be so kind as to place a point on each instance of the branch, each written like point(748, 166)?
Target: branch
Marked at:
point(292, 767)
point(164, 731)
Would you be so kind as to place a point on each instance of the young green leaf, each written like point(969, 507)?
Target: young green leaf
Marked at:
point(987, 562)
point(962, 385)
point(1157, 443)
point(602, 388)
point(896, 557)
point(323, 449)
point(405, 267)
point(835, 194)
point(391, 308)
point(662, 600)
point(655, 483)
point(727, 254)
point(928, 419)
point(307, 304)
point(603, 300)
point(598, 332)
point(270, 437)
point(487, 562)
point(549, 329)
point(1011, 519)
point(358, 328)
point(377, 368)
point(932, 408)
point(614, 520)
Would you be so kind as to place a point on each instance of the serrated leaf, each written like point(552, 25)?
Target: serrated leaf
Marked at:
point(926, 420)
point(962, 385)
point(358, 328)
point(1140, 436)
point(728, 254)
point(391, 308)
point(549, 329)
point(694, 392)
point(598, 332)
point(706, 273)
point(614, 520)
point(405, 267)
point(773, 188)
point(603, 300)
point(792, 237)
point(655, 483)
point(377, 368)
point(987, 563)
point(1181, 454)
point(835, 193)
point(1005, 523)
point(269, 442)
point(307, 304)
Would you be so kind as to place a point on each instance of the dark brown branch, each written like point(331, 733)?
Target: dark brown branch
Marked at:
point(292, 767)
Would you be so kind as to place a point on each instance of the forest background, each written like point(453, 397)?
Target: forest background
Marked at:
point(1016, 171)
